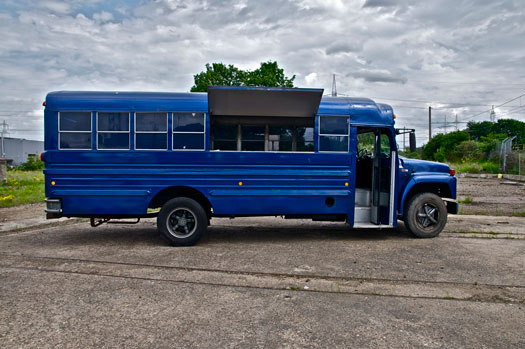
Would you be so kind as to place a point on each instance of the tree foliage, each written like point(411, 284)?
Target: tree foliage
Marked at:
point(476, 143)
point(218, 74)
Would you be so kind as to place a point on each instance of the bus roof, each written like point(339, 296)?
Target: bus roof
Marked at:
point(362, 111)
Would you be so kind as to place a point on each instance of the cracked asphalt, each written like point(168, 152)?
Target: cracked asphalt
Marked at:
point(263, 282)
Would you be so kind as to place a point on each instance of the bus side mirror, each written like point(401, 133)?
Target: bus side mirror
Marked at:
point(412, 141)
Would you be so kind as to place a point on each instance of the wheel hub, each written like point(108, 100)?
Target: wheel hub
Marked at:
point(428, 215)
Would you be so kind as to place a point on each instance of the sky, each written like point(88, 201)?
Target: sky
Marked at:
point(458, 56)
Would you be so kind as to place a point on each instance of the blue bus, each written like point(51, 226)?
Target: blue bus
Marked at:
point(236, 151)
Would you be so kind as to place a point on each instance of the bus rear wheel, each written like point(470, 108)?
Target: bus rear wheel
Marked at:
point(182, 221)
point(426, 215)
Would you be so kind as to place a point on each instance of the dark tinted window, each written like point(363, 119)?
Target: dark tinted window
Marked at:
point(280, 138)
point(113, 140)
point(151, 141)
point(305, 139)
point(151, 122)
point(109, 121)
point(252, 138)
point(333, 125)
point(333, 143)
point(75, 140)
point(224, 137)
point(193, 141)
point(188, 122)
point(224, 145)
point(75, 121)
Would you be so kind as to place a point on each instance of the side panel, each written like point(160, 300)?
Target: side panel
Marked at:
point(236, 183)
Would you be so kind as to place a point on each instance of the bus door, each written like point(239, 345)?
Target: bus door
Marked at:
point(382, 179)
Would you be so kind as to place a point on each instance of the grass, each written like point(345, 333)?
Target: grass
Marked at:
point(22, 187)
point(475, 167)
point(466, 200)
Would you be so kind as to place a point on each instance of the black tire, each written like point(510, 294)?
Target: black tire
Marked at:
point(182, 221)
point(426, 215)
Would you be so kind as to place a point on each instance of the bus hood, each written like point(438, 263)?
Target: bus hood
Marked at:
point(413, 165)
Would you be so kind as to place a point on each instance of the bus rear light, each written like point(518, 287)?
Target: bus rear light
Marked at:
point(43, 103)
point(452, 172)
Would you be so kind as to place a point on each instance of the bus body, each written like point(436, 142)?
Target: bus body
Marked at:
point(235, 151)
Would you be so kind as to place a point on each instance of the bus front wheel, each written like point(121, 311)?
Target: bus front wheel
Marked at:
point(182, 221)
point(426, 215)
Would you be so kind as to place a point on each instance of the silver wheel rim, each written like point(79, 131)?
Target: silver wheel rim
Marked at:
point(181, 222)
point(427, 216)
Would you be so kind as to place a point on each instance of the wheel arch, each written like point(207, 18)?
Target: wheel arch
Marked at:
point(169, 193)
point(441, 189)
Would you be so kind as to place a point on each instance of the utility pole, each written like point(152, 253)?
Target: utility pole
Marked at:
point(429, 123)
point(4, 131)
point(445, 123)
point(492, 115)
point(334, 87)
point(404, 145)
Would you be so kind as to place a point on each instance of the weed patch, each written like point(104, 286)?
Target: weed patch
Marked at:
point(466, 200)
point(22, 187)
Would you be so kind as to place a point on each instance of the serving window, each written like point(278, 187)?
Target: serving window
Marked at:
point(273, 134)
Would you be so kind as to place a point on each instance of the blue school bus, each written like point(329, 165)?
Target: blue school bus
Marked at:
point(236, 151)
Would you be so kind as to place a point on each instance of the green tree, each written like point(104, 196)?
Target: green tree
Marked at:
point(479, 129)
point(218, 74)
point(442, 146)
point(270, 75)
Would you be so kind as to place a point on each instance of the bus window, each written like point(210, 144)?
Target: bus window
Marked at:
point(113, 130)
point(74, 130)
point(151, 131)
point(280, 138)
point(252, 138)
point(333, 133)
point(188, 131)
point(304, 139)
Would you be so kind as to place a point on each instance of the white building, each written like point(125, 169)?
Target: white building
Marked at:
point(16, 150)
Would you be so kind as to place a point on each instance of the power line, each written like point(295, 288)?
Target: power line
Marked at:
point(502, 104)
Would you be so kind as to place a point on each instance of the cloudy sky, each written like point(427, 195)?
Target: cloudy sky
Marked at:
point(460, 57)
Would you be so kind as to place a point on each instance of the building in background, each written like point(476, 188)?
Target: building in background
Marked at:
point(17, 150)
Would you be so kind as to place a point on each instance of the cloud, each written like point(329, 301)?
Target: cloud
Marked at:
point(438, 55)
point(56, 6)
point(377, 76)
point(310, 79)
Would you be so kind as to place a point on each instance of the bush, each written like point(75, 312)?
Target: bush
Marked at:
point(32, 164)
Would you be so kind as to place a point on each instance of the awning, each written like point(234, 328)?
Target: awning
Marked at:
point(263, 101)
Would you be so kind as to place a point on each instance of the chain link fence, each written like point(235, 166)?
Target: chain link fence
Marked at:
point(511, 156)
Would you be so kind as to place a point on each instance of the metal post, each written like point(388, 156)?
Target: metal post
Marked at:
point(404, 144)
point(429, 123)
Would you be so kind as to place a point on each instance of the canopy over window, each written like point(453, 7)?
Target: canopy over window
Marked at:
point(263, 101)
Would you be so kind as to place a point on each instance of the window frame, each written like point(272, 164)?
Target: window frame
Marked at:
point(150, 132)
point(128, 131)
point(347, 135)
point(90, 129)
point(173, 133)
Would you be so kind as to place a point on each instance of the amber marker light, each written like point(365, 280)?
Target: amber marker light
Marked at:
point(52, 182)
point(346, 184)
point(40, 156)
point(395, 117)
point(240, 184)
